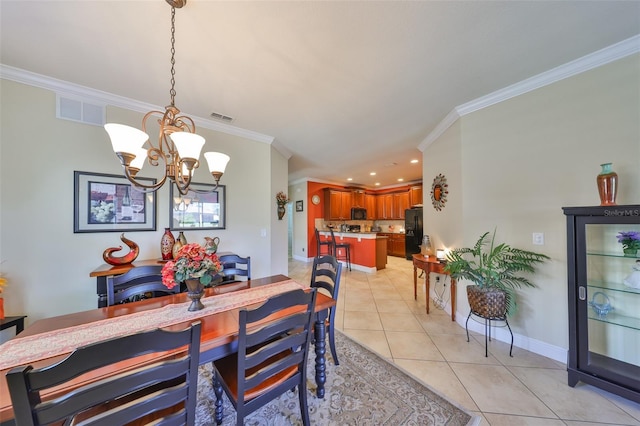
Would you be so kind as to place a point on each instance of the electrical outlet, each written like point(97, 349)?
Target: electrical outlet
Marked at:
point(538, 238)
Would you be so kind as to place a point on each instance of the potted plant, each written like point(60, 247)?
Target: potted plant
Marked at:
point(194, 265)
point(630, 241)
point(496, 272)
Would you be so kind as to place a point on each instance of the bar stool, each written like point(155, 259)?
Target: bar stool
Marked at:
point(345, 246)
point(319, 245)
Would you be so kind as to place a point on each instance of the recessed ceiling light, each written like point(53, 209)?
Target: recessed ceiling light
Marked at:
point(349, 179)
point(414, 161)
point(377, 183)
point(400, 180)
point(372, 173)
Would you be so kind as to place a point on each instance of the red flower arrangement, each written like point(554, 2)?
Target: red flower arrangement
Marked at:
point(192, 261)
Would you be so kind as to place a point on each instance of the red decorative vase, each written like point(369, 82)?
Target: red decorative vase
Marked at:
point(1, 308)
point(166, 244)
point(607, 185)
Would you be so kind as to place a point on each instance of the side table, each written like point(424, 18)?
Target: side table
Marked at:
point(431, 264)
point(17, 321)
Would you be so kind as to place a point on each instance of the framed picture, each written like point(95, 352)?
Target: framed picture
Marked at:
point(201, 208)
point(299, 207)
point(110, 203)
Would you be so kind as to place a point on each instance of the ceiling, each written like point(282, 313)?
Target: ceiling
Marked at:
point(345, 87)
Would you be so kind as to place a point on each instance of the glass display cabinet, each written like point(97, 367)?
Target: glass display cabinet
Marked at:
point(604, 299)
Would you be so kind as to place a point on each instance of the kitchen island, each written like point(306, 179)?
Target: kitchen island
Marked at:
point(368, 249)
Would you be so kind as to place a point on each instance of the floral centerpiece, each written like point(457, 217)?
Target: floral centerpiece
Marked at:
point(282, 198)
point(630, 241)
point(192, 262)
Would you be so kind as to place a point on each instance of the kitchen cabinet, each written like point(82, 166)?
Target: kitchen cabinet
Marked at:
point(370, 205)
point(395, 244)
point(358, 199)
point(400, 204)
point(381, 252)
point(337, 205)
point(385, 206)
point(415, 195)
point(604, 295)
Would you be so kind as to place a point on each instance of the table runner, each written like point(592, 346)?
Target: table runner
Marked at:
point(20, 351)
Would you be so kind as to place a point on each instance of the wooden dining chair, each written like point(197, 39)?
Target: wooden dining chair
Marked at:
point(235, 266)
point(325, 274)
point(163, 389)
point(271, 357)
point(143, 282)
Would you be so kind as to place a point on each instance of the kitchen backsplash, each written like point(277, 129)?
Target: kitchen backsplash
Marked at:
point(395, 226)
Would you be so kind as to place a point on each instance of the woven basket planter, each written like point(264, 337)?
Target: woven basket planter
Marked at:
point(490, 303)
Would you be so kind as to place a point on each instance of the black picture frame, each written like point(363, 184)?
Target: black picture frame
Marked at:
point(98, 201)
point(299, 206)
point(204, 207)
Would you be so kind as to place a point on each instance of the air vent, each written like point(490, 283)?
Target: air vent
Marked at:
point(221, 117)
point(80, 111)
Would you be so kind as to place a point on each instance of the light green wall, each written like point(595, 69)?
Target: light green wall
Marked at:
point(47, 264)
point(522, 160)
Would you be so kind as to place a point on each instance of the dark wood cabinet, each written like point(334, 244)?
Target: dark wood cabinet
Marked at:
point(395, 244)
point(337, 205)
point(604, 296)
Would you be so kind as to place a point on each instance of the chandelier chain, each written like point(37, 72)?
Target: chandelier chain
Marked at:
point(172, 92)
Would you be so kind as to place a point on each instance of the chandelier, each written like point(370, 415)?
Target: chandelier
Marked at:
point(178, 147)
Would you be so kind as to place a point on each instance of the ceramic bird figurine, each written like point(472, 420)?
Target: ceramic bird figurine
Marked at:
point(134, 250)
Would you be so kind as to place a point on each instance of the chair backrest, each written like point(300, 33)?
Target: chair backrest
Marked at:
point(234, 267)
point(138, 283)
point(276, 350)
point(326, 274)
point(167, 381)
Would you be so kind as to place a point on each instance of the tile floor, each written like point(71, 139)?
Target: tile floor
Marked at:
point(378, 310)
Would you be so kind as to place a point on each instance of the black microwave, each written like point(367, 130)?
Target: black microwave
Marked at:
point(358, 213)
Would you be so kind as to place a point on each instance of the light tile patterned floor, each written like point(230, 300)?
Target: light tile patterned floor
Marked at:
point(378, 310)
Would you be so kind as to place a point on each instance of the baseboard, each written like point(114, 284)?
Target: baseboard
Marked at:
point(501, 334)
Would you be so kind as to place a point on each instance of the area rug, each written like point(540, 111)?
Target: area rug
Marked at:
point(364, 389)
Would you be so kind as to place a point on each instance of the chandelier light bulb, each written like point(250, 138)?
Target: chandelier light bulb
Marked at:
point(125, 138)
point(217, 161)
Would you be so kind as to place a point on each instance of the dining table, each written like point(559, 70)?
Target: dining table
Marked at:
point(219, 329)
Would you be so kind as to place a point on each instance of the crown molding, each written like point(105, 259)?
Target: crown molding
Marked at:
point(73, 90)
point(588, 62)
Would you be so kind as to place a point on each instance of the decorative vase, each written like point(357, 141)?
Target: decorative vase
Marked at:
point(281, 211)
point(607, 185)
point(195, 291)
point(1, 308)
point(182, 238)
point(176, 248)
point(630, 252)
point(166, 244)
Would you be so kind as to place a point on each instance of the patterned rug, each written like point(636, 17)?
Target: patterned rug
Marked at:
point(364, 389)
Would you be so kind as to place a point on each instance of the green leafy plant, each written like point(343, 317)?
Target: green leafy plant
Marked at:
point(494, 266)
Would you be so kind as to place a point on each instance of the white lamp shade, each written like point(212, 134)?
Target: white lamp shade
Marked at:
point(188, 144)
point(138, 162)
point(125, 138)
point(217, 161)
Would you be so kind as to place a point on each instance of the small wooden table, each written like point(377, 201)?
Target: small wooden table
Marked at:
point(431, 264)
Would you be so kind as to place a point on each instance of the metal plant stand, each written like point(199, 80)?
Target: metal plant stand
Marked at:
point(487, 331)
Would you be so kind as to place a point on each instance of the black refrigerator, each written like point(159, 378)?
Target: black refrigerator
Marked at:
point(412, 231)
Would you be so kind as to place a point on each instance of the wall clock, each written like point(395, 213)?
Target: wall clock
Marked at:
point(439, 191)
point(315, 199)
